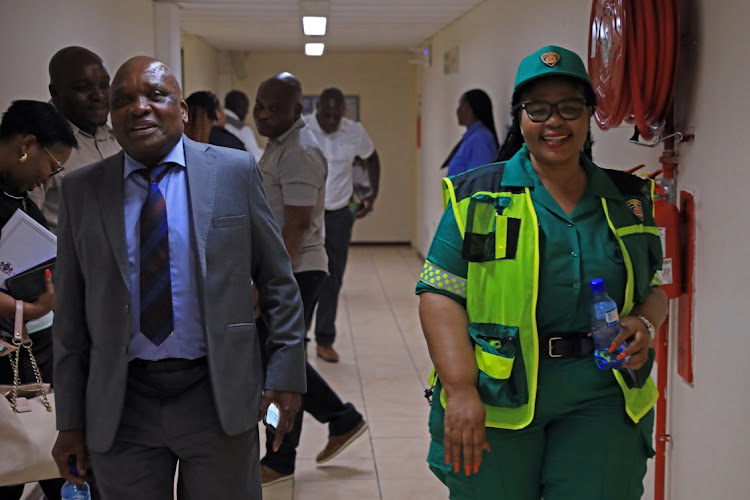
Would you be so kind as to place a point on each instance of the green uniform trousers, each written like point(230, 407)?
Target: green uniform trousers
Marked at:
point(581, 444)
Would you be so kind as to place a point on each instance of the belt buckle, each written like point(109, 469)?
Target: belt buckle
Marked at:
point(549, 347)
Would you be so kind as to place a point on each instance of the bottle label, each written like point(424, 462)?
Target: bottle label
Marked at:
point(612, 317)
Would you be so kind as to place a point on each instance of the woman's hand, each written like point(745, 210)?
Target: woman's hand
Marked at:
point(634, 332)
point(46, 301)
point(464, 429)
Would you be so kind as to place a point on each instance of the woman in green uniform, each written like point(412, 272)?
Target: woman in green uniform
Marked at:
point(520, 411)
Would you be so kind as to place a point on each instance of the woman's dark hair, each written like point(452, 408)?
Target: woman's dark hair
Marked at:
point(202, 108)
point(481, 105)
point(513, 138)
point(40, 119)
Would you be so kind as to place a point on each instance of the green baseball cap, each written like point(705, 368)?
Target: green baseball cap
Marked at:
point(551, 61)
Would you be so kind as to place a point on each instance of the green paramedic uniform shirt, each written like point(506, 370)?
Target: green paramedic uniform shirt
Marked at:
point(575, 249)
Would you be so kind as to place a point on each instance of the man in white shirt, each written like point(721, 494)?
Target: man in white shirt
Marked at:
point(79, 86)
point(236, 106)
point(342, 140)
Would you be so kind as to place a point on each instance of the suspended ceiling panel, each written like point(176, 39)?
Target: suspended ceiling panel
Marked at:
point(353, 25)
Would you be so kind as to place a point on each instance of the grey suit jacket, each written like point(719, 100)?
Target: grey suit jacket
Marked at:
point(236, 238)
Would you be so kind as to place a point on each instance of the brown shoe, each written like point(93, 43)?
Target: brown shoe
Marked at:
point(337, 444)
point(268, 476)
point(327, 353)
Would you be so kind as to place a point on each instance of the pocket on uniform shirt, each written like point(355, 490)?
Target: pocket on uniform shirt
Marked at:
point(502, 373)
point(489, 235)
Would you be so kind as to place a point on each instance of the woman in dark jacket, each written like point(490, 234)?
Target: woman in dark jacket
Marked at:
point(35, 142)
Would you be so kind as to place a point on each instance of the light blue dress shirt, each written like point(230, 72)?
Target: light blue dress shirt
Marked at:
point(187, 340)
point(478, 148)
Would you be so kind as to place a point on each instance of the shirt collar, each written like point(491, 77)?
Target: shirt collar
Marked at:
point(520, 173)
point(313, 122)
point(295, 126)
point(473, 128)
point(231, 113)
point(176, 156)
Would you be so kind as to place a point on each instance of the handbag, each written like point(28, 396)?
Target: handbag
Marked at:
point(27, 420)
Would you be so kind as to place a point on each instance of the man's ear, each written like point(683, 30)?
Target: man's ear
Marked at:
point(297, 111)
point(52, 91)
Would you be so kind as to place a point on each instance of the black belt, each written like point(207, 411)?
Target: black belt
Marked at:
point(566, 345)
point(168, 364)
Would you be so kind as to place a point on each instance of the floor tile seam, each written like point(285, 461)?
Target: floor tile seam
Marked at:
point(379, 276)
point(361, 387)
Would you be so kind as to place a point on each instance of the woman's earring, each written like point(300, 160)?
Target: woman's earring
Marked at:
point(23, 158)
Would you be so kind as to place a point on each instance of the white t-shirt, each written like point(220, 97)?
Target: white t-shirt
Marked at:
point(245, 134)
point(340, 148)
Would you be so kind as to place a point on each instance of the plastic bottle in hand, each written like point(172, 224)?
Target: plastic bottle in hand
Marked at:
point(75, 491)
point(605, 326)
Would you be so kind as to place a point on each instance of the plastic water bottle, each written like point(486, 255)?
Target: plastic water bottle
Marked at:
point(605, 326)
point(75, 491)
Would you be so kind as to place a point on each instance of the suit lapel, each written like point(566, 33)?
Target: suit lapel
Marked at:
point(201, 175)
point(112, 206)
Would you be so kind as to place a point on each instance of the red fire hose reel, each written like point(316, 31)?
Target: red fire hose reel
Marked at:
point(633, 54)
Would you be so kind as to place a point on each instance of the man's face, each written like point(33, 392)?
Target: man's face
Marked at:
point(275, 109)
point(329, 115)
point(82, 94)
point(148, 112)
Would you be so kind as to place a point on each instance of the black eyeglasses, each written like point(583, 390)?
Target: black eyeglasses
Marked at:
point(59, 168)
point(540, 111)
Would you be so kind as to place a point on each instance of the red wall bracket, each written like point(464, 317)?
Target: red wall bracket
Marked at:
point(685, 323)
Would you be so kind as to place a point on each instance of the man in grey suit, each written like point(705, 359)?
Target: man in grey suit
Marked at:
point(157, 359)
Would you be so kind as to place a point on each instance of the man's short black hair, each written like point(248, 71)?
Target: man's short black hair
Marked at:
point(236, 99)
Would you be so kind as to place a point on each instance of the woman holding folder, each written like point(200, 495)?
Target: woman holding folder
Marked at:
point(35, 142)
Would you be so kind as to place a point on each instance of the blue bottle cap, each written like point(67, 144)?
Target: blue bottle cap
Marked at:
point(598, 286)
point(73, 469)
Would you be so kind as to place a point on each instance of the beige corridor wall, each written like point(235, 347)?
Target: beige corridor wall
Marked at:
point(31, 31)
point(708, 422)
point(385, 83)
point(200, 66)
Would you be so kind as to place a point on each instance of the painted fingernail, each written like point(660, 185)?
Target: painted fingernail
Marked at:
point(476, 467)
point(47, 273)
point(622, 356)
point(455, 466)
point(447, 458)
point(467, 468)
point(612, 347)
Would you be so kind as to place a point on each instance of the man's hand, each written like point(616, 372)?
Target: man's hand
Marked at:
point(71, 447)
point(367, 204)
point(288, 403)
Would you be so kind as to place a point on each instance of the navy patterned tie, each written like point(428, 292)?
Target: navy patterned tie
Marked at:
point(156, 285)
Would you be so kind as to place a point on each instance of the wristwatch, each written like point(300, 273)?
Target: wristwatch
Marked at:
point(649, 327)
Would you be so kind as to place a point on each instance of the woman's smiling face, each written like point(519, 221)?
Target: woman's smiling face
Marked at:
point(555, 141)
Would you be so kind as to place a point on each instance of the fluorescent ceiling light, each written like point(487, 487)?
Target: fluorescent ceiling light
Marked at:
point(314, 49)
point(314, 25)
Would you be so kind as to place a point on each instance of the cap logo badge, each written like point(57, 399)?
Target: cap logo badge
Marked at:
point(550, 58)
point(636, 207)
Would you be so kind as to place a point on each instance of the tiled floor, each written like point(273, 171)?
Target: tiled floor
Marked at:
point(383, 368)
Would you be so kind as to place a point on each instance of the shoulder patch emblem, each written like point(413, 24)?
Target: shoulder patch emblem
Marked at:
point(550, 58)
point(636, 207)
point(6, 268)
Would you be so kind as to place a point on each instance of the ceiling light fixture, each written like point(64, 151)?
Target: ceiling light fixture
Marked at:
point(314, 25)
point(314, 49)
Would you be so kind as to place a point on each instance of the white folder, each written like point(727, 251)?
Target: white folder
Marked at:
point(24, 243)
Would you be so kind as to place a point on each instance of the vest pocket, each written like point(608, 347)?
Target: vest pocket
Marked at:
point(502, 375)
point(489, 235)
